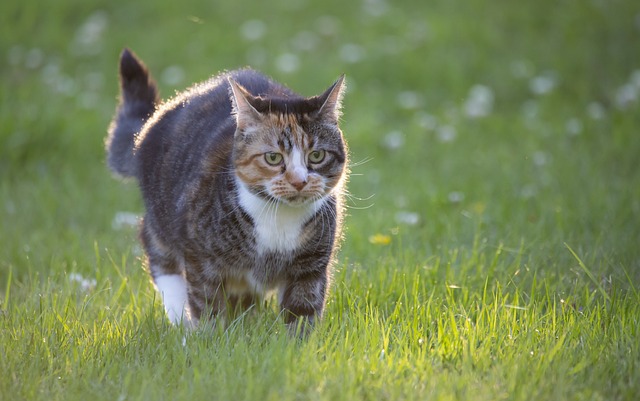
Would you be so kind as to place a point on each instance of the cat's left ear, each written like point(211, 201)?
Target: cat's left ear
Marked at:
point(331, 101)
point(245, 113)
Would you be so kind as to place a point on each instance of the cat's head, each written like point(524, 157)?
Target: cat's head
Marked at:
point(289, 149)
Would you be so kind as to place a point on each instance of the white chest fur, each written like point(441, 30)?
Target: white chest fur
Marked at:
point(277, 226)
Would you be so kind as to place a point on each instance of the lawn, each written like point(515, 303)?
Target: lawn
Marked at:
point(492, 245)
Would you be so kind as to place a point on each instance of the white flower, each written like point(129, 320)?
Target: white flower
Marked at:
point(596, 111)
point(455, 197)
point(393, 140)
point(479, 102)
point(409, 99)
point(287, 62)
point(173, 75)
point(351, 53)
point(543, 83)
point(574, 126)
point(124, 220)
point(626, 95)
point(253, 29)
point(85, 283)
point(409, 218)
point(446, 133)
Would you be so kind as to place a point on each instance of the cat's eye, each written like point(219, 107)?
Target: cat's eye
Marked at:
point(317, 156)
point(273, 158)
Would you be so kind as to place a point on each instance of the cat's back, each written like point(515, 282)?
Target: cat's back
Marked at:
point(202, 112)
point(192, 127)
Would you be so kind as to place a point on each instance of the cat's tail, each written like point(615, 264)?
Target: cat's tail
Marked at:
point(138, 100)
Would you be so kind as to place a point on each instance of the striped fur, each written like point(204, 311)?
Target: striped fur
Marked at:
point(242, 181)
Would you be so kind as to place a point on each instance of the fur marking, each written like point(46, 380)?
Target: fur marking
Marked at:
point(173, 289)
point(277, 226)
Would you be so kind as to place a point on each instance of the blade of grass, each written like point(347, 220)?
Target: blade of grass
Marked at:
point(7, 290)
point(588, 273)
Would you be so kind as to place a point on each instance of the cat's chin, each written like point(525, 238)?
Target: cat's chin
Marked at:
point(298, 200)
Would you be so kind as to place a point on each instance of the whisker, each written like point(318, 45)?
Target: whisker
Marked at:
point(361, 162)
point(353, 197)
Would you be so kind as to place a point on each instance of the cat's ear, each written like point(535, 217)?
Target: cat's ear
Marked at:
point(331, 101)
point(245, 113)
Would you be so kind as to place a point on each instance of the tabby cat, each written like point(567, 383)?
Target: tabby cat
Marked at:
point(242, 181)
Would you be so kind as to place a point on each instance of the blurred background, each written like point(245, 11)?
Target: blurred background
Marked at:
point(490, 124)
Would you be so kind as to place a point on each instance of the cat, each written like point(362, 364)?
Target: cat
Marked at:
point(243, 183)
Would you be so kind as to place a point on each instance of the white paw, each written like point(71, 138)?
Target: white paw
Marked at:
point(173, 290)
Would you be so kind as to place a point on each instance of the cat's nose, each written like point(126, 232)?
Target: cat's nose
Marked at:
point(297, 177)
point(298, 185)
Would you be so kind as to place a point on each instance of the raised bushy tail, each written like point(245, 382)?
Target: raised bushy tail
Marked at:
point(138, 99)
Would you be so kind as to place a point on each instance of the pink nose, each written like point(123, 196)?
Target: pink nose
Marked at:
point(298, 185)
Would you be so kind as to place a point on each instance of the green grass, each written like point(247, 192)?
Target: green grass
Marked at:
point(513, 274)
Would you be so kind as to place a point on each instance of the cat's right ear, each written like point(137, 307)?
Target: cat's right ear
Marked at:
point(245, 113)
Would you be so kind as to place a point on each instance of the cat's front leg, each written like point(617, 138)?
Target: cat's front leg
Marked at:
point(302, 300)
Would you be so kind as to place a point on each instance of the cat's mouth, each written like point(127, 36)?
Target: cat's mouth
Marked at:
point(298, 200)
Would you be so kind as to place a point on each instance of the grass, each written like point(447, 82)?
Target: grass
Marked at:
point(489, 258)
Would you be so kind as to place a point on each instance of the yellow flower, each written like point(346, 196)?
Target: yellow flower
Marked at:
point(380, 239)
point(478, 207)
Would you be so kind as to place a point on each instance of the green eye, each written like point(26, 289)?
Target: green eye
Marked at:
point(273, 158)
point(316, 156)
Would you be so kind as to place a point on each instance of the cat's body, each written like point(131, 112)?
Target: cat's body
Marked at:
point(242, 182)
